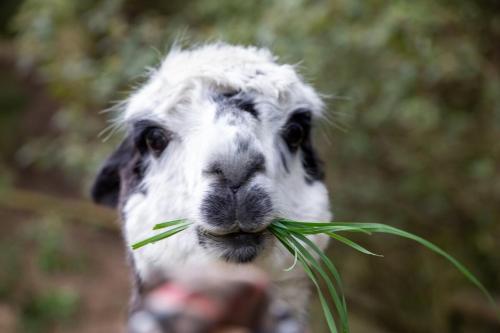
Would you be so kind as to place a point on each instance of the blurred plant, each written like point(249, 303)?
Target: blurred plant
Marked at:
point(47, 308)
point(54, 253)
point(10, 257)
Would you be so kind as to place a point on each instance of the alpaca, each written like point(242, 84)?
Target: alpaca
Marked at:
point(219, 135)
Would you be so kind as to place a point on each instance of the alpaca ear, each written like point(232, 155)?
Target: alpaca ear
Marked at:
point(106, 187)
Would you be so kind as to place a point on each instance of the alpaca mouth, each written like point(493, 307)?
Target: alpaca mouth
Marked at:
point(238, 247)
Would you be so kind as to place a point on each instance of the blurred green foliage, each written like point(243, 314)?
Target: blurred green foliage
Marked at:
point(415, 114)
point(54, 253)
point(40, 306)
point(47, 308)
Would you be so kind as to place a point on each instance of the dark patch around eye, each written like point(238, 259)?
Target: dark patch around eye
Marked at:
point(132, 175)
point(313, 166)
point(140, 130)
point(299, 120)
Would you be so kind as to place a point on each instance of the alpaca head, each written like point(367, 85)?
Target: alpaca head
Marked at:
point(219, 135)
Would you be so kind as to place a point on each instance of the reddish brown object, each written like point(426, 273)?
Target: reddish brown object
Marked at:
point(224, 300)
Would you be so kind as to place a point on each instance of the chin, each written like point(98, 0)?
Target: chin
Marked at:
point(237, 247)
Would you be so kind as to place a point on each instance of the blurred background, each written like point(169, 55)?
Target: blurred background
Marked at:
point(413, 141)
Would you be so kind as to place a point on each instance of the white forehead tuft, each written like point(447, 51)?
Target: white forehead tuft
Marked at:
point(224, 67)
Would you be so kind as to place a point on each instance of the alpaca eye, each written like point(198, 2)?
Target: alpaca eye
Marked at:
point(294, 135)
point(156, 140)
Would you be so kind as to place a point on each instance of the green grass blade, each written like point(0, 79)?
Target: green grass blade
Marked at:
point(324, 304)
point(307, 268)
point(335, 227)
point(168, 224)
point(304, 224)
point(304, 254)
point(292, 235)
point(320, 230)
point(160, 236)
point(316, 228)
point(333, 271)
point(382, 228)
point(338, 300)
point(352, 244)
point(328, 263)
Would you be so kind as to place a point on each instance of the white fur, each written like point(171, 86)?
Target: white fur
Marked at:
point(178, 95)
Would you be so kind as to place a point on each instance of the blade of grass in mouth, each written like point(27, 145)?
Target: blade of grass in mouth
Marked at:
point(292, 235)
point(169, 224)
point(160, 236)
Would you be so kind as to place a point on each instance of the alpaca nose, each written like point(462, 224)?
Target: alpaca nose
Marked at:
point(237, 171)
point(234, 201)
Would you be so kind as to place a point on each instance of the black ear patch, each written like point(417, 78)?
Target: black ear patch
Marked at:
point(106, 187)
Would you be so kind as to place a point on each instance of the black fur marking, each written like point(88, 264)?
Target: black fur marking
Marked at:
point(247, 105)
point(310, 160)
point(231, 93)
point(131, 177)
point(106, 187)
point(236, 101)
point(123, 171)
point(312, 163)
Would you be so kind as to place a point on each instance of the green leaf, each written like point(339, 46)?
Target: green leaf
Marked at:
point(168, 224)
point(307, 268)
point(160, 236)
point(382, 228)
point(352, 244)
point(333, 270)
point(304, 254)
